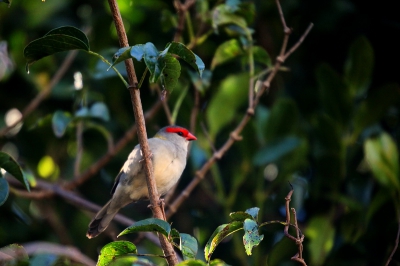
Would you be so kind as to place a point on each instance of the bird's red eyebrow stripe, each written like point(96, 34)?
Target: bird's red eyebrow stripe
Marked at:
point(176, 130)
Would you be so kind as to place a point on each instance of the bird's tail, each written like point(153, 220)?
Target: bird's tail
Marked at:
point(100, 221)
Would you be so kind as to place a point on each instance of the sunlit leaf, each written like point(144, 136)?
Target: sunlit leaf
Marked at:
point(225, 52)
point(4, 190)
point(188, 246)
point(186, 54)
point(114, 249)
point(12, 167)
point(320, 233)
point(219, 234)
point(359, 66)
point(151, 60)
point(60, 123)
point(57, 40)
point(251, 237)
point(383, 158)
point(148, 225)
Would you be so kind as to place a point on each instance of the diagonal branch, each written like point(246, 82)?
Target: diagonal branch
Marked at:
point(235, 134)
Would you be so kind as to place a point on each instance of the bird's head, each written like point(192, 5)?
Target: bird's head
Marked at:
point(175, 133)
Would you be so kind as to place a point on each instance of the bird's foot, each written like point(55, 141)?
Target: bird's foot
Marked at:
point(150, 157)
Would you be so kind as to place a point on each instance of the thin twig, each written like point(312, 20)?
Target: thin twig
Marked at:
point(43, 93)
point(299, 238)
point(70, 197)
point(235, 134)
point(164, 101)
point(181, 9)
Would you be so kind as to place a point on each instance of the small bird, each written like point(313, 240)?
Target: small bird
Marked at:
point(168, 153)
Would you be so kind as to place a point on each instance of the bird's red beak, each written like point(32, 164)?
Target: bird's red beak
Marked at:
point(190, 137)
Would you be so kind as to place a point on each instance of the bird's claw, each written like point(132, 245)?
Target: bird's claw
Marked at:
point(150, 157)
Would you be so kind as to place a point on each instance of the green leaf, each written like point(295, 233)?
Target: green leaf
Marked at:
point(251, 236)
point(114, 249)
point(231, 94)
point(383, 158)
point(359, 66)
point(223, 15)
point(320, 233)
point(188, 246)
point(148, 225)
point(219, 234)
point(240, 216)
point(12, 167)
point(57, 40)
point(4, 190)
point(261, 56)
point(151, 60)
point(225, 52)
point(334, 95)
point(100, 110)
point(253, 212)
point(60, 122)
point(171, 71)
point(186, 54)
point(275, 150)
point(122, 54)
point(174, 234)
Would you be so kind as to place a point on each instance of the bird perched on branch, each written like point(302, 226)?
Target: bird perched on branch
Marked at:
point(169, 151)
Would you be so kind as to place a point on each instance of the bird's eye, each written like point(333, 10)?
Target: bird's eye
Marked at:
point(179, 133)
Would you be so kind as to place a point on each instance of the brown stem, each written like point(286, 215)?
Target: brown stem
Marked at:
point(181, 9)
point(235, 134)
point(299, 238)
point(142, 135)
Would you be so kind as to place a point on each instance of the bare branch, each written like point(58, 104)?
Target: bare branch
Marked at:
point(235, 134)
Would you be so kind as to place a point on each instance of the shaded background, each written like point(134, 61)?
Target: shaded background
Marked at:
point(347, 215)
